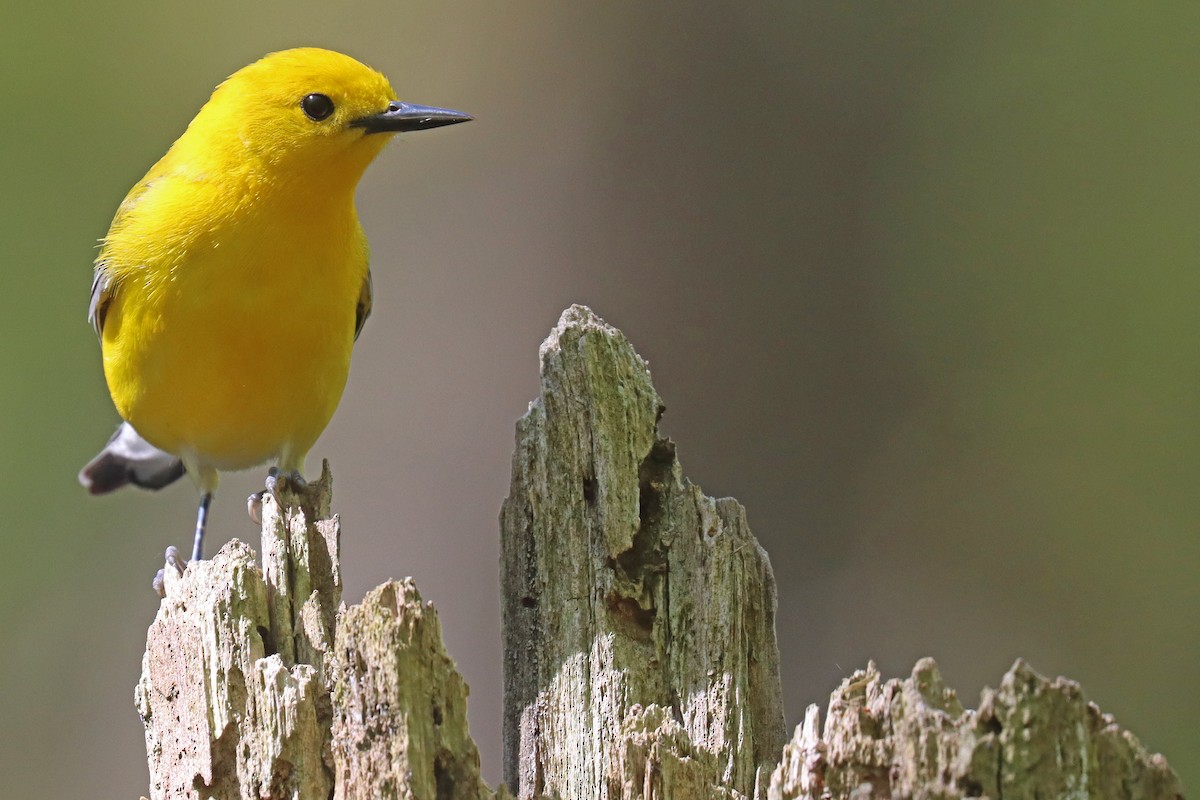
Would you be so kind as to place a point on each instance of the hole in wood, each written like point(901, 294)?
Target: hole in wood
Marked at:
point(627, 610)
point(269, 648)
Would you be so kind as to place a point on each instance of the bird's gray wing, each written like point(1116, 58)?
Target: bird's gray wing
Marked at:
point(364, 306)
point(103, 289)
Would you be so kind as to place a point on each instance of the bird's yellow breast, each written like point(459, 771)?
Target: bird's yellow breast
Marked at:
point(229, 337)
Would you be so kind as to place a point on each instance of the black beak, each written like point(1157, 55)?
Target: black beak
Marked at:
point(405, 117)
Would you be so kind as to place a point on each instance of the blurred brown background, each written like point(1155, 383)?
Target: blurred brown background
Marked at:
point(917, 282)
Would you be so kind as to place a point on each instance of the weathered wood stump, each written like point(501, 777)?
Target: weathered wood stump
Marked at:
point(639, 615)
point(255, 685)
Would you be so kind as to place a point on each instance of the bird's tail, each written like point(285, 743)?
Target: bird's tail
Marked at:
point(128, 458)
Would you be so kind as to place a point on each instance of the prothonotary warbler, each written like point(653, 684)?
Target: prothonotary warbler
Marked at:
point(233, 281)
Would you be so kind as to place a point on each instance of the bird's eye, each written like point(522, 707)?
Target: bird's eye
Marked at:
point(317, 106)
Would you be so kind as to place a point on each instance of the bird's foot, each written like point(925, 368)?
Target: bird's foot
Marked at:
point(173, 561)
point(276, 482)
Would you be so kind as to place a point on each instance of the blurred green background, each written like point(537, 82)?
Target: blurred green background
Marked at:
point(917, 282)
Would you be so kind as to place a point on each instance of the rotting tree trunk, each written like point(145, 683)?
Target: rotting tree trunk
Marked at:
point(233, 694)
point(255, 686)
point(640, 656)
point(639, 615)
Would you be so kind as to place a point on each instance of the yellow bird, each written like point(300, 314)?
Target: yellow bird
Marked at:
point(234, 281)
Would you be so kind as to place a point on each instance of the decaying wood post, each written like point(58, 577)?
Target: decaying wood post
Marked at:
point(640, 658)
point(254, 685)
point(639, 615)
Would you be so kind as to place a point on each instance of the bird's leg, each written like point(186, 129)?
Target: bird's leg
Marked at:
point(277, 481)
point(173, 560)
point(206, 479)
point(201, 523)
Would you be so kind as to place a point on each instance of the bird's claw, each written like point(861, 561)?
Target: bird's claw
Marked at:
point(254, 507)
point(277, 481)
point(174, 561)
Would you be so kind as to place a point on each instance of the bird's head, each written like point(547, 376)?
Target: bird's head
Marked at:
point(306, 111)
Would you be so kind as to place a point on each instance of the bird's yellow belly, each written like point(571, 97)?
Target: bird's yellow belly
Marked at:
point(232, 376)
